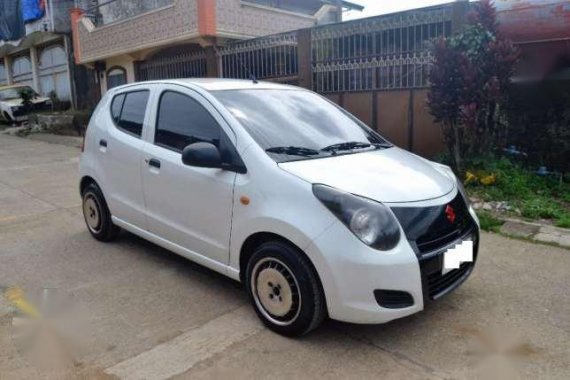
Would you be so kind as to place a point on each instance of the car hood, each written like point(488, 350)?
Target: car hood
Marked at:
point(18, 102)
point(390, 175)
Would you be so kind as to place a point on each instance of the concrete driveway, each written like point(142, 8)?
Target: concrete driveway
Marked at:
point(148, 313)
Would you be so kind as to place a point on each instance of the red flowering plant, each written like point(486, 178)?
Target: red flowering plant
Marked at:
point(468, 83)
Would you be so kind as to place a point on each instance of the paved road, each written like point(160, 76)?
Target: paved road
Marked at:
point(152, 314)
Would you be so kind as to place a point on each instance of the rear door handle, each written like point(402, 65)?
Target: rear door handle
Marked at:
point(154, 162)
point(103, 143)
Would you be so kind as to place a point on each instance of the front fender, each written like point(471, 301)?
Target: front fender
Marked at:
point(300, 237)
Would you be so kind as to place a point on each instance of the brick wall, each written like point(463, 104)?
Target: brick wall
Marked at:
point(178, 21)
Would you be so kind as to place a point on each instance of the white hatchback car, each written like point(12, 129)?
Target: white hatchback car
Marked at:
point(278, 188)
point(12, 108)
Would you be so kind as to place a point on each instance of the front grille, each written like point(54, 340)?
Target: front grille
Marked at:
point(438, 284)
point(429, 228)
point(431, 231)
point(24, 110)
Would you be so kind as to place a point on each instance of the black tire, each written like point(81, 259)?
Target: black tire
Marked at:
point(97, 215)
point(7, 118)
point(298, 290)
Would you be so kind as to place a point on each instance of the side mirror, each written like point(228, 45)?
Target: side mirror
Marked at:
point(203, 155)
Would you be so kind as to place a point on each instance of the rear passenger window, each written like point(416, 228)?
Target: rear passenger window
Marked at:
point(182, 121)
point(128, 111)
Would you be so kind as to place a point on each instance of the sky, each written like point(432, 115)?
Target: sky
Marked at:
point(378, 7)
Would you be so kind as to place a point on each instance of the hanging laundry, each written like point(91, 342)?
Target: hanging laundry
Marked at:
point(33, 10)
point(11, 21)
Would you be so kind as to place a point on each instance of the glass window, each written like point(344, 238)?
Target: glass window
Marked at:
point(21, 66)
point(116, 77)
point(132, 115)
point(295, 118)
point(116, 107)
point(182, 121)
point(2, 74)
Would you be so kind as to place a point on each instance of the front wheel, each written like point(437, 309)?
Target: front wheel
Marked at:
point(284, 289)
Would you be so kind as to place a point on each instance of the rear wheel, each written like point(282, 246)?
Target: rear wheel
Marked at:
point(284, 289)
point(97, 215)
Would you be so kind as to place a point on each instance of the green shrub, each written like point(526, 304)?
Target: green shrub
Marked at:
point(563, 222)
point(489, 222)
point(536, 197)
point(540, 208)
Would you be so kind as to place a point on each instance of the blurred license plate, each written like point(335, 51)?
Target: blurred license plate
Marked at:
point(454, 257)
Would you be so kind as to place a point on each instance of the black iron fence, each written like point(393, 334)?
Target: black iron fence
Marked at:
point(182, 65)
point(273, 57)
point(385, 52)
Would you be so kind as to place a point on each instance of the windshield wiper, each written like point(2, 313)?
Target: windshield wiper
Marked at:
point(293, 151)
point(354, 145)
point(346, 146)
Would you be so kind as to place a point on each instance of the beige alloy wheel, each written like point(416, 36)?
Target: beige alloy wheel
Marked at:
point(276, 291)
point(92, 213)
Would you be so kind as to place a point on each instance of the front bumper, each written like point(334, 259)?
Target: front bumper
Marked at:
point(351, 272)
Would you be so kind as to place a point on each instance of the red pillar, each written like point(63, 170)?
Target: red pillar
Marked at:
point(76, 14)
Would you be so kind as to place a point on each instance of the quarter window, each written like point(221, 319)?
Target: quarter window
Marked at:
point(182, 121)
point(127, 110)
point(116, 107)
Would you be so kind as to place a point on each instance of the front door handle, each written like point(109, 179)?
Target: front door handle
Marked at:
point(154, 162)
point(103, 143)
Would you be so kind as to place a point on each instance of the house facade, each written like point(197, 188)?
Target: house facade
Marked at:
point(36, 48)
point(126, 40)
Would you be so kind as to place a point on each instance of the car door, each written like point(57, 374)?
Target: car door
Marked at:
point(121, 155)
point(188, 206)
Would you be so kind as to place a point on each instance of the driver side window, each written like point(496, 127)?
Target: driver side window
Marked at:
point(182, 121)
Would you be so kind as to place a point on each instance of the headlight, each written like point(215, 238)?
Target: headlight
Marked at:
point(371, 222)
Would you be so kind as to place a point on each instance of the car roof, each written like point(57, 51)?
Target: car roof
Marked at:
point(218, 84)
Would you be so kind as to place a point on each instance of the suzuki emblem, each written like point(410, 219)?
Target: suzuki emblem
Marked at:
point(450, 213)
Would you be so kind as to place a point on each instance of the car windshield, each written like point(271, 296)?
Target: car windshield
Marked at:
point(297, 124)
point(13, 92)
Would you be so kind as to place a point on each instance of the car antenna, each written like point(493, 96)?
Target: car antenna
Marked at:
point(251, 76)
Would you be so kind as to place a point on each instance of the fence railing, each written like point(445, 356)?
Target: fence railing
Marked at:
point(378, 53)
point(108, 12)
point(271, 57)
point(183, 65)
point(385, 52)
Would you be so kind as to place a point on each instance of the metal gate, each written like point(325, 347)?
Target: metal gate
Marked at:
point(270, 58)
point(182, 65)
point(53, 73)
